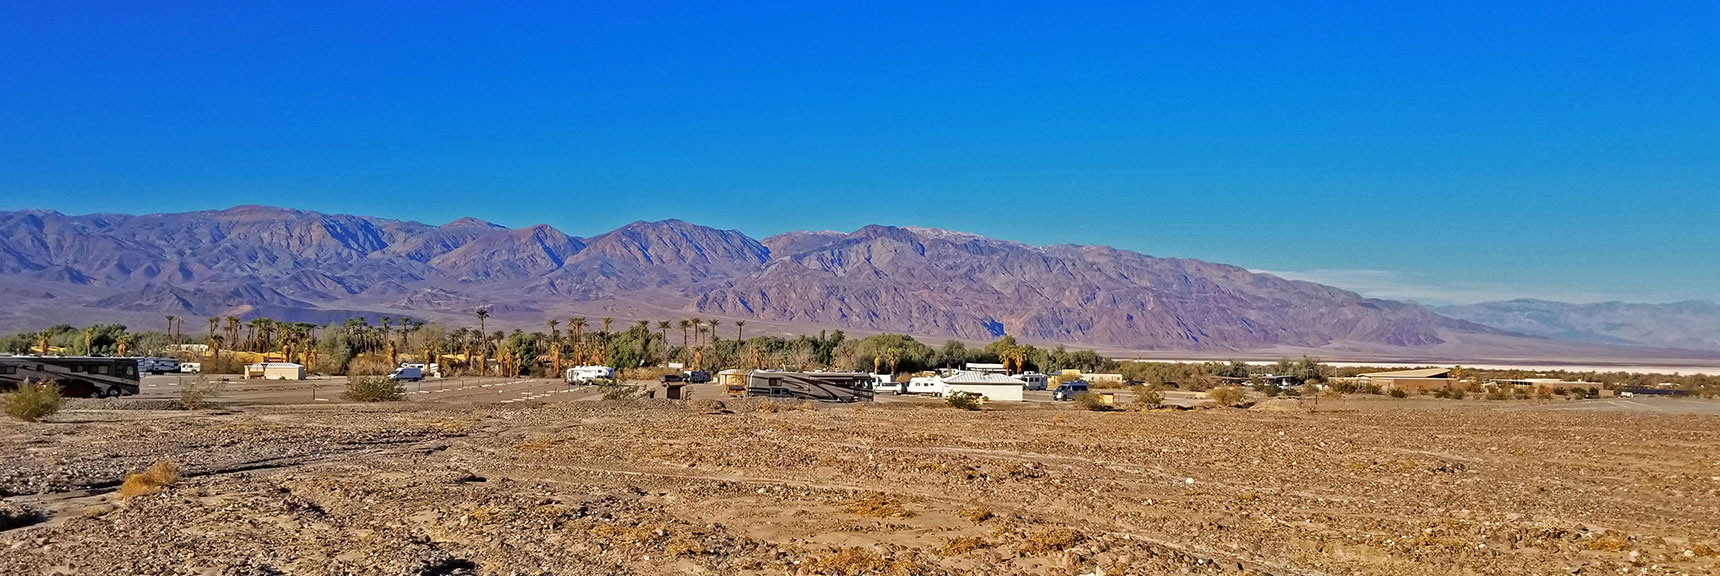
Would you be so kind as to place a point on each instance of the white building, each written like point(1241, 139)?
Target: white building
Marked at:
point(994, 387)
point(275, 371)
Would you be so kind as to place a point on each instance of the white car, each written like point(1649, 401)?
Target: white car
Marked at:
point(191, 367)
point(588, 374)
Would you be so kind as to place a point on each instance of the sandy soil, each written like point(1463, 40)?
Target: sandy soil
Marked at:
point(546, 486)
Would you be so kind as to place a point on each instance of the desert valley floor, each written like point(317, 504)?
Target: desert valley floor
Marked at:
point(559, 482)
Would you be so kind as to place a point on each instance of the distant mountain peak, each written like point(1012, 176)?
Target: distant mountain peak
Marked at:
point(470, 222)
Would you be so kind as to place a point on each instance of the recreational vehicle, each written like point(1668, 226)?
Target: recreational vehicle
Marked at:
point(587, 374)
point(821, 386)
point(933, 385)
point(1034, 380)
point(82, 376)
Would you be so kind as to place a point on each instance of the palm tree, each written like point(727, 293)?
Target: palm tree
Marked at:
point(684, 349)
point(739, 324)
point(713, 331)
point(122, 343)
point(555, 346)
point(698, 335)
point(233, 330)
point(577, 327)
point(663, 330)
point(214, 325)
point(170, 320)
point(483, 352)
point(893, 357)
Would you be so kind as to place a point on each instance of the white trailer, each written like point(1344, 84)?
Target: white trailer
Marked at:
point(932, 385)
point(588, 374)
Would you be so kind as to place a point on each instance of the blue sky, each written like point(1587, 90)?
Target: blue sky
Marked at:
point(1439, 151)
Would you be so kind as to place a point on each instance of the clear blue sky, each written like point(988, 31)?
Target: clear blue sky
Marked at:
point(1471, 150)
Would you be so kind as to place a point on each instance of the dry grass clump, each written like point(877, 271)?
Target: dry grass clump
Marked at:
point(976, 514)
point(163, 474)
point(878, 506)
point(962, 545)
point(1049, 541)
point(33, 403)
point(1609, 542)
point(374, 389)
point(860, 562)
point(1704, 550)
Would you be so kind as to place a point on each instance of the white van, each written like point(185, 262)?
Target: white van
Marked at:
point(925, 385)
point(407, 374)
point(587, 374)
point(190, 367)
point(1034, 380)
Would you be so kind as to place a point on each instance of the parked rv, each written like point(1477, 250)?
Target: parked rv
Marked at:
point(587, 374)
point(698, 377)
point(79, 376)
point(821, 386)
point(1034, 380)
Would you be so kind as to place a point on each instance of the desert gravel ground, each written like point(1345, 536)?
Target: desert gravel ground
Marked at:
point(758, 487)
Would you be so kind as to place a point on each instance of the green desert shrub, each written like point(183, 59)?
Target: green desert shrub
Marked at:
point(373, 389)
point(33, 402)
point(1399, 393)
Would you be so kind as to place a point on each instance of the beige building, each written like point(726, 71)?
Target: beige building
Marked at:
point(275, 371)
point(1411, 381)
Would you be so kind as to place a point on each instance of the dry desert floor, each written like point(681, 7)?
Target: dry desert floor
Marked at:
point(559, 482)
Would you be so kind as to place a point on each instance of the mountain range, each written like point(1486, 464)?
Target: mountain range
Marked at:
point(1692, 324)
point(308, 266)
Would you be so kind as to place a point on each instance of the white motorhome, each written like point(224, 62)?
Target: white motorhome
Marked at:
point(158, 365)
point(190, 367)
point(1034, 380)
point(588, 374)
point(933, 385)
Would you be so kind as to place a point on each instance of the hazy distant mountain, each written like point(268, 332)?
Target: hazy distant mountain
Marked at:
point(258, 260)
point(1693, 325)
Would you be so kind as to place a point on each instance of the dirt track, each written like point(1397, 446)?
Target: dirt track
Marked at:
point(658, 487)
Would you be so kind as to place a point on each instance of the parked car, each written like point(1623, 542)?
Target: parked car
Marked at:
point(407, 374)
point(1068, 390)
point(698, 377)
point(190, 367)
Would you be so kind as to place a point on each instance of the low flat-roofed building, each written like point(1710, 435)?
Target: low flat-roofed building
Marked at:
point(1412, 381)
point(984, 367)
point(1554, 383)
point(995, 387)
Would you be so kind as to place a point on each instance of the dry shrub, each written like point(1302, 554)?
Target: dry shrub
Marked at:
point(963, 545)
point(1226, 395)
point(374, 389)
point(976, 514)
point(966, 400)
point(1049, 541)
point(769, 406)
point(683, 547)
point(369, 365)
point(707, 406)
point(878, 506)
point(1704, 550)
point(859, 562)
point(1609, 542)
point(199, 393)
point(163, 474)
point(32, 403)
point(1090, 401)
point(1148, 397)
